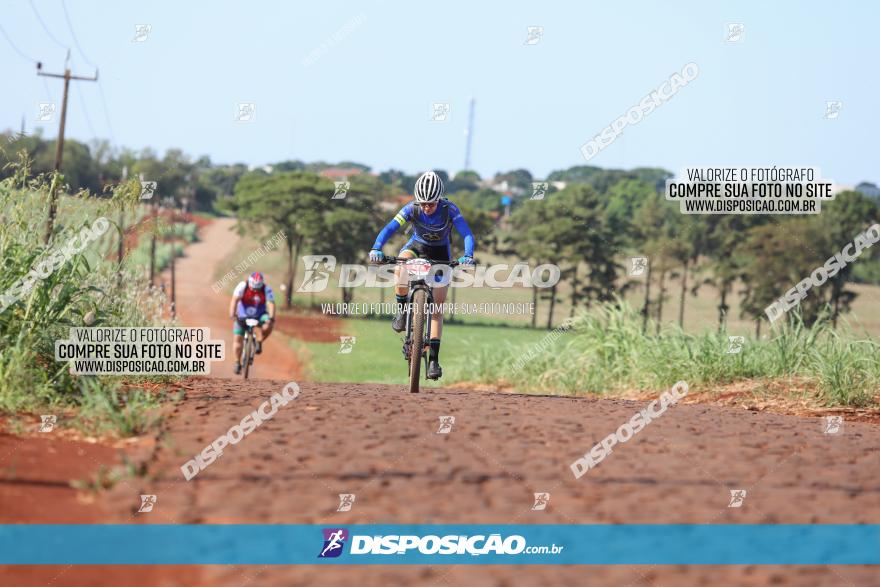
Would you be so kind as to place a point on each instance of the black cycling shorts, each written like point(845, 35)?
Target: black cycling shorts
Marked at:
point(431, 252)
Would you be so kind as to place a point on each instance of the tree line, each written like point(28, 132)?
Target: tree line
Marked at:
point(591, 227)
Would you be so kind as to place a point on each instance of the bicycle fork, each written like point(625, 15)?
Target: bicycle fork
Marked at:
point(408, 342)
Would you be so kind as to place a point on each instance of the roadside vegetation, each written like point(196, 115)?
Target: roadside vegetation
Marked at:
point(605, 352)
point(88, 289)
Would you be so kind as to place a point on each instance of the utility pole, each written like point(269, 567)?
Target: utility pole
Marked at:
point(120, 251)
point(59, 146)
point(173, 210)
point(155, 230)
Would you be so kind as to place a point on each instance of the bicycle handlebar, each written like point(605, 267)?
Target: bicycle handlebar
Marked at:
point(392, 260)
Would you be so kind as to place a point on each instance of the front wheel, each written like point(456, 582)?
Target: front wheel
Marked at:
point(417, 340)
point(246, 355)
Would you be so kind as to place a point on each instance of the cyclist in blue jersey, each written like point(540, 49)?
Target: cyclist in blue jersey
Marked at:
point(432, 217)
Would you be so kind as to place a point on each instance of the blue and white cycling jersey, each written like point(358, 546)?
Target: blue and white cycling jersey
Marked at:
point(431, 230)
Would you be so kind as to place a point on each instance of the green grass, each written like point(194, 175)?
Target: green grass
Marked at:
point(84, 290)
point(605, 352)
point(107, 409)
point(377, 356)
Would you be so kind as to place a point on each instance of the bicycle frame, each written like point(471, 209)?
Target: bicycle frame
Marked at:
point(416, 285)
point(250, 340)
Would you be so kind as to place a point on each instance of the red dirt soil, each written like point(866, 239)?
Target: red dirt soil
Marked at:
point(309, 327)
point(380, 443)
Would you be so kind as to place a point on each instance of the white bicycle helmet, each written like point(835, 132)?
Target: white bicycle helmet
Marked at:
point(256, 280)
point(429, 188)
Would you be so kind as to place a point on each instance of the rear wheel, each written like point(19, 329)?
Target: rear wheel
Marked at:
point(246, 354)
point(418, 339)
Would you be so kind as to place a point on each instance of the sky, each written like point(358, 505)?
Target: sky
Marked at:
point(353, 81)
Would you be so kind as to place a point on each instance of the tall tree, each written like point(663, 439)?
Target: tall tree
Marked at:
point(291, 202)
point(840, 221)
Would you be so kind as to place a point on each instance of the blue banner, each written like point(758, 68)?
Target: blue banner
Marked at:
point(455, 544)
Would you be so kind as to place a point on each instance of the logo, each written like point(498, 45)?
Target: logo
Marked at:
point(148, 188)
point(334, 541)
point(534, 34)
point(440, 111)
point(246, 112)
point(450, 544)
point(47, 423)
point(832, 425)
point(735, 31)
point(821, 274)
point(539, 190)
point(638, 266)
point(320, 267)
point(346, 500)
point(627, 430)
point(342, 188)
point(737, 497)
point(541, 501)
point(147, 503)
point(141, 32)
point(17, 136)
point(237, 432)
point(735, 344)
point(346, 344)
point(446, 424)
point(45, 111)
point(832, 109)
point(318, 270)
point(639, 111)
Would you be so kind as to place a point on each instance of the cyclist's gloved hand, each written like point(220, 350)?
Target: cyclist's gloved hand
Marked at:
point(466, 260)
point(376, 256)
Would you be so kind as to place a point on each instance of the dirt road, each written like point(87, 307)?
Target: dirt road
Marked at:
point(381, 444)
point(198, 304)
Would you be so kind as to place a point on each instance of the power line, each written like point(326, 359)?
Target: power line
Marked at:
point(45, 28)
point(86, 113)
point(85, 110)
point(73, 34)
point(86, 59)
point(48, 91)
point(106, 113)
point(17, 50)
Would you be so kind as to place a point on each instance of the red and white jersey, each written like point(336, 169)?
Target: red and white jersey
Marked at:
point(253, 301)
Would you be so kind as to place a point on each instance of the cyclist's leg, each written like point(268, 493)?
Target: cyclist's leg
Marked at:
point(265, 329)
point(441, 253)
point(409, 251)
point(401, 288)
point(237, 339)
point(437, 316)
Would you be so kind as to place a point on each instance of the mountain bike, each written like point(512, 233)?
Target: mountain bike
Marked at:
point(250, 345)
point(420, 300)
